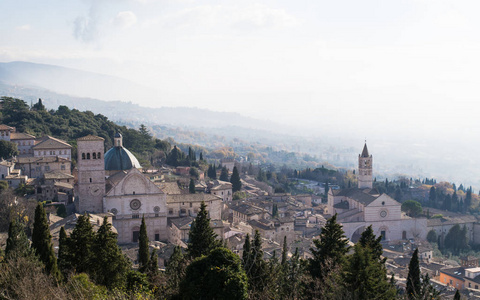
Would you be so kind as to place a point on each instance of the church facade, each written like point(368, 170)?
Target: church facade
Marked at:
point(111, 183)
point(358, 208)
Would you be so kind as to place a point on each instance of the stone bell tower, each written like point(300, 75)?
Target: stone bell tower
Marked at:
point(90, 186)
point(365, 168)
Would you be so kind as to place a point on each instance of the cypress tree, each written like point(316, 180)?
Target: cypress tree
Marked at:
point(235, 180)
point(257, 273)
point(111, 265)
point(201, 156)
point(413, 278)
point(17, 241)
point(202, 238)
point(457, 296)
point(81, 245)
point(42, 242)
point(284, 251)
point(247, 248)
point(191, 186)
point(224, 174)
point(64, 255)
point(143, 252)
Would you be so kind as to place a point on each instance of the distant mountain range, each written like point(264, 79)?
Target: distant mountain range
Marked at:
point(83, 91)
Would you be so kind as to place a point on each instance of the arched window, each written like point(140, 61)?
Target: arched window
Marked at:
point(88, 155)
point(83, 155)
point(99, 155)
point(94, 155)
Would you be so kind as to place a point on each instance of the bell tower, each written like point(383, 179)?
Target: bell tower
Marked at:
point(365, 168)
point(90, 186)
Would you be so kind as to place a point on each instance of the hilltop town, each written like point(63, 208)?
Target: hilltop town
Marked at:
point(101, 177)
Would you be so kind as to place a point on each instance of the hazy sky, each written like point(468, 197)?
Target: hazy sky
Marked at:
point(370, 67)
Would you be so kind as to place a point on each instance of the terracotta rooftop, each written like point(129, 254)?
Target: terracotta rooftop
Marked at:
point(21, 136)
point(49, 142)
point(6, 127)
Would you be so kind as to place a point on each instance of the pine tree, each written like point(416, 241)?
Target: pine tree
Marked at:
point(42, 242)
point(330, 249)
point(224, 174)
point(191, 186)
point(365, 275)
point(81, 245)
point(152, 268)
point(111, 265)
point(202, 238)
point(235, 180)
point(17, 242)
point(143, 252)
point(413, 278)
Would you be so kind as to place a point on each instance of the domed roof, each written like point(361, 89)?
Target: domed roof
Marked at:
point(119, 158)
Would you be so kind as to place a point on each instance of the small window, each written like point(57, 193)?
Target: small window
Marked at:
point(157, 237)
point(88, 155)
point(170, 211)
point(191, 204)
point(90, 179)
point(94, 155)
point(135, 216)
point(99, 155)
point(83, 155)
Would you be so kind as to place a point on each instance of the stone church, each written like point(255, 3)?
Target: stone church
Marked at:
point(111, 182)
point(358, 208)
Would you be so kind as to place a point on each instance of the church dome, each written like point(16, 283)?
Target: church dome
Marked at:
point(119, 158)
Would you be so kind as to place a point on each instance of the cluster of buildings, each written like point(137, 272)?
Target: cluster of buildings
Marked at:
point(111, 183)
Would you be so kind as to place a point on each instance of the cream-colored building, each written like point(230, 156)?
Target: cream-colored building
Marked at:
point(357, 208)
point(222, 189)
point(24, 141)
point(48, 146)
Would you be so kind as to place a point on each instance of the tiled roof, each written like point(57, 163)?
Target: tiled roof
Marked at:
point(170, 188)
point(56, 175)
point(6, 127)
point(21, 136)
point(199, 197)
point(49, 142)
point(245, 209)
point(362, 196)
point(46, 159)
point(91, 138)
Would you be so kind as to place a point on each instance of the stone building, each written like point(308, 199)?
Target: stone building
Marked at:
point(357, 208)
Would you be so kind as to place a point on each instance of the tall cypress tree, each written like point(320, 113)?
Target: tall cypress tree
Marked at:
point(81, 245)
point(413, 278)
point(235, 180)
point(42, 242)
point(247, 249)
point(224, 174)
point(64, 255)
point(257, 272)
point(202, 238)
point(284, 252)
point(143, 252)
point(191, 186)
point(111, 265)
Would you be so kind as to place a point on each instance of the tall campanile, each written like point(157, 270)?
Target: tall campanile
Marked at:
point(90, 187)
point(365, 168)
